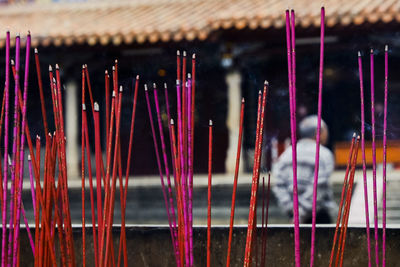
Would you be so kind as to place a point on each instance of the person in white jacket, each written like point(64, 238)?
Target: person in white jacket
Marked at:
point(283, 173)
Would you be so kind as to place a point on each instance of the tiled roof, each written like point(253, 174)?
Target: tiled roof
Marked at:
point(175, 20)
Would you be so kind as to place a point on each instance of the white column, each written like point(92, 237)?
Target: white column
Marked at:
point(71, 129)
point(233, 80)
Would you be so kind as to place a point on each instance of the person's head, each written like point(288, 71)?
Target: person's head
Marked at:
point(308, 129)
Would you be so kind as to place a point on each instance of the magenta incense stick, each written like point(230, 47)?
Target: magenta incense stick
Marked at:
point(22, 149)
point(210, 144)
point(5, 158)
point(318, 135)
point(159, 165)
point(190, 164)
point(167, 173)
point(14, 150)
point(363, 157)
point(384, 162)
point(374, 157)
point(292, 100)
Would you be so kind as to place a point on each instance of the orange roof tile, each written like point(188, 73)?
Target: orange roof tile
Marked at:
point(153, 21)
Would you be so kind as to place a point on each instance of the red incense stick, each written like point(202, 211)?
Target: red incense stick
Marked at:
point(384, 161)
point(345, 186)
point(363, 158)
point(210, 143)
point(235, 180)
point(318, 136)
point(42, 102)
point(107, 96)
point(374, 158)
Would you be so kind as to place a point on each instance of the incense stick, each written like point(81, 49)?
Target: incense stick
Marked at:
point(235, 180)
point(374, 157)
point(210, 144)
point(384, 161)
point(83, 181)
point(317, 136)
point(345, 184)
point(363, 157)
point(42, 102)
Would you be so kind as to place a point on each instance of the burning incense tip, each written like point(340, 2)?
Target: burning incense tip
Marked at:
point(106, 72)
point(177, 82)
point(172, 121)
point(194, 56)
point(145, 87)
point(184, 53)
point(83, 106)
point(372, 51)
point(242, 99)
point(116, 61)
point(50, 68)
point(178, 53)
point(137, 77)
point(37, 137)
point(12, 62)
point(17, 35)
point(266, 82)
point(57, 67)
point(113, 93)
point(83, 66)
point(96, 106)
point(189, 76)
point(359, 53)
point(154, 86)
point(113, 68)
point(54, 80)
point(165, 85)
point(36, 51)
point(210, 123)
point(29, 157)
point(386, 48)
point(120, 88)
point(259, 92)
point(358, 137)
point(354, 135)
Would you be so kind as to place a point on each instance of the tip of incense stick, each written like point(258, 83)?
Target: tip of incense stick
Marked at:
point(29, 157)
point(49, 134)
point(172, 121)
point(83, 106)
point(113, 68)
point(371, 51)
point(29, 32)
point(137, 77)
point(386, 48)
point(259, 92)
point(242, 99)
point(36, 51)
point(116, 61)
point(193, 56)
point(113, 94)
point(120, 88)
point(17, 35)
point(359, 53)
point(354, 135)
point(9, 159)
point(106, 72)
point(165, 85)
point(266, 82)
point(189, 76)
point(184, 53)
point(145, 87)
point(50, 68)
point(210, 123)
point(154, 86)
point(54, 80)
point(186, 84)
point(358, 137)
point(37, 137)
point(178, 53)
point(12, 62)
point(96, 106)
point(83, 66)
point(177, 82)
point(57, 67)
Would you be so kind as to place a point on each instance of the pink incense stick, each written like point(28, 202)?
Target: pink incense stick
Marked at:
point(318, 136)
point(32, 183)
point(190, 164)
point(374, 158)
point(167, 173)
point(210, 127)
point(5, 158)
point(159, 166)
point(22, 149)
point(384, 162)
point(183, 180)
point(292, 100)
point(14, 151)
point(363, 157)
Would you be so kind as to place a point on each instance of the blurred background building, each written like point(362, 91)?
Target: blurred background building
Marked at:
point(238, 44)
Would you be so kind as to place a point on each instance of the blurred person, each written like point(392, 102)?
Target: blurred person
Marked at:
point(283, 174)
